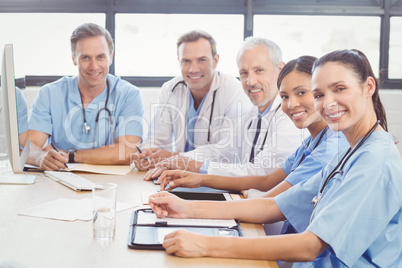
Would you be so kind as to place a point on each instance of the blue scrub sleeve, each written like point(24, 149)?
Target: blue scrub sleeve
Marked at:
point(22, 111)
point(295, 203)
point(288, 165)
point(130, 117)
point(40, 119)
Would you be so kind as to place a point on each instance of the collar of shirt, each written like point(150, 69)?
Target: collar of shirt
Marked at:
point(264, 113)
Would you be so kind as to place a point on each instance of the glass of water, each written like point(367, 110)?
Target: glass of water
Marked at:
point(104, 210)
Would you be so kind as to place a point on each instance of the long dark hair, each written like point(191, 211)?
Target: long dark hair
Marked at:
point(303, 64)
point(356, 61)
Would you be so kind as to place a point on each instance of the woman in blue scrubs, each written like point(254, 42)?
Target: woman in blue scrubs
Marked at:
point(294, 83)
point(348, 215)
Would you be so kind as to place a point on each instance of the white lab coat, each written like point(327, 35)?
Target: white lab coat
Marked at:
point(282, 138)
point(168, 129)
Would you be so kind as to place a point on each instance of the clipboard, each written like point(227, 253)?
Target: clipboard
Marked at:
point(150, 236)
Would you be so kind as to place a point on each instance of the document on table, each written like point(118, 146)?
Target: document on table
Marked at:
point(100, 169)
point(146, 218)
point(68, 209)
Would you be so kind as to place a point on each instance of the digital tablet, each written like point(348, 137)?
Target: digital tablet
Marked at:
point(203, 196)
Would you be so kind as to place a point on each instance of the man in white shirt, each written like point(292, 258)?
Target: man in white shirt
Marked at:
point(265, 136)
point(196, 108)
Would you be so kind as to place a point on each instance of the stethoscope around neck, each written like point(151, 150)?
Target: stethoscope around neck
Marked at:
point(316, 200)
point(173, 121)
point(86, 128)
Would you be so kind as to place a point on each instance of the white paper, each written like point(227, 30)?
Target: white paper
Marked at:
point(151, 219)
point(17, 179)
point(68, 209)
point(162, 232)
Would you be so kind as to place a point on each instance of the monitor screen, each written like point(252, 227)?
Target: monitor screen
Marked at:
point(11, 99)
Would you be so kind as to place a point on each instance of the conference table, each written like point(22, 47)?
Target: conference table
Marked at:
point(41, 242)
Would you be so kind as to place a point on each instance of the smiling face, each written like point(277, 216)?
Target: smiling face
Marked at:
point(92, 57)
point(197, 64)
point(343, 102)
point(258, 76)
point(297, 99)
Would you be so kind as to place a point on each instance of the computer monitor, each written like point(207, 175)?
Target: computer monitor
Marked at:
point(8, 109)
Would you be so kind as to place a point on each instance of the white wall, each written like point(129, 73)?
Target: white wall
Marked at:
point(391, 99)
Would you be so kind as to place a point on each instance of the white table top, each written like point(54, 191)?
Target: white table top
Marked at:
point(39, 242)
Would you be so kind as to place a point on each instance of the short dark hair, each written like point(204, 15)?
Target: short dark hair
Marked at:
point(194, 36)
point(90, 30)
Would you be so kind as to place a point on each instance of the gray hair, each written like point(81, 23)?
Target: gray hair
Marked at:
point(273, 50)
point(90, 30)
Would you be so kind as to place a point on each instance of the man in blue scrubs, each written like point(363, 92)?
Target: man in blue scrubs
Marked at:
point(94, 117)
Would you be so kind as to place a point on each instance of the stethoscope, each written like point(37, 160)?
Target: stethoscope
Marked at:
point(308, 144)
point(316, 200)
point(266, 134)
point(86, 128)
point(210, 116)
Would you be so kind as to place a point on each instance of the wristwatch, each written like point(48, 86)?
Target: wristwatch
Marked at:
point(71, 155)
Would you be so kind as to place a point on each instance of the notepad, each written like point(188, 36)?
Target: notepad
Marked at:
point(148, 232)
point(100, 169)
point(146, 218)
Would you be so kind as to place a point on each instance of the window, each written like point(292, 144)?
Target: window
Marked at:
point(317, 35)
point(41, 41)
point(395, 49)
point(146, 43)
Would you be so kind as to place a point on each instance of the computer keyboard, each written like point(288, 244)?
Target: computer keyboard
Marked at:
point(71, 180)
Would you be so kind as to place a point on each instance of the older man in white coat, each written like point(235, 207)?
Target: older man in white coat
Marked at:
point(264, 137)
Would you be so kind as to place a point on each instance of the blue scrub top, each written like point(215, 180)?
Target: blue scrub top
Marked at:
point(314, 159)
point(22, 111)
point(360, 213)
point(57, 111)
point(192, 116)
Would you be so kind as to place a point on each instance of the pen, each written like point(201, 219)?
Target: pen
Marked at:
point(140, 151)
point(54, 147)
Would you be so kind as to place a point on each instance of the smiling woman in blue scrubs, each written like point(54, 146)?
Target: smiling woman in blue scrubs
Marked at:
point(355, 218)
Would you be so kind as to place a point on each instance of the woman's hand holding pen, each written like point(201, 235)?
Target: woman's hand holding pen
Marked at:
point(165, 204)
